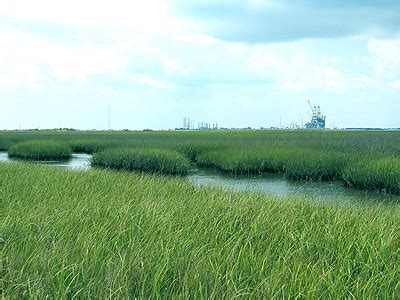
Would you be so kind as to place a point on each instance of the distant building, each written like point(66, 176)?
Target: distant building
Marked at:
point(318, 120)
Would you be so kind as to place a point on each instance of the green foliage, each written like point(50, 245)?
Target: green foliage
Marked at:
point(381, 175)
point(193, 149)
point(326, 141)
point(102, 234)
point(245, 161)
point(315, 165)
point(40, 150)
point(4, 144)
point(145, 160)
point(303, 155)
point(93, 146)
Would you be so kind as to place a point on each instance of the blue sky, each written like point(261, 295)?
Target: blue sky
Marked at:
point(238, 63)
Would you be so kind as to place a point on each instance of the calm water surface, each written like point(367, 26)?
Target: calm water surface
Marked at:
point(278, 185)
point(271, 184)
point(76, 162)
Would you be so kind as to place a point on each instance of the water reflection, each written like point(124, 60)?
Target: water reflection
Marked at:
point(4, 157)
point(278, 185)
point(76, 162)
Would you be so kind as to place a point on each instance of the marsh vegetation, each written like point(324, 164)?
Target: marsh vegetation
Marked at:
point(159, 161)
point(40, 150)
point(125, 235)
point(300, 155)
point(105, 233)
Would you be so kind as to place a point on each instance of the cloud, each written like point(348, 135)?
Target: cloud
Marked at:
point(385, 57)
point(149, 81)
point(216, 60)
point(258, 21)
point(395, 84)
point(29, 62)
point(172, 66)
point(293, 68)
point(146, 16)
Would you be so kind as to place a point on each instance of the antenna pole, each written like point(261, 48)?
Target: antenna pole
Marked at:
point(109, 117)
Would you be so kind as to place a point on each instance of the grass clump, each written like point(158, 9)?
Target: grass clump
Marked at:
point(192, 149)
point(297, 164)
point(145, 160)
point(40, 150)
point(5, 144)
point(381, 175)
point(244, 161)
point(315, 165)
point(93, 146)
point(102, 234)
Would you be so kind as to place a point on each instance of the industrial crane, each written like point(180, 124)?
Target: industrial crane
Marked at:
point(317, 119)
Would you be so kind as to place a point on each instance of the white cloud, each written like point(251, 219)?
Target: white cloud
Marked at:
point(80, 62)
point(296, 70)
point(186, 56)
point(145, 16)
point(385, 57)
point(395, 84)
point(149, 81)
point(28, 62)
point(365, 82)
point(172, 66)
point(196, 37)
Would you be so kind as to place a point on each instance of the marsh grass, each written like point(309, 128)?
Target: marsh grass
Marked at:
point(4, 144)
point(40, 150)
point(144, 160)
point(245, 161)
point(192, 150)
point(299, 164)
point(94, 146)
point(104, 234)
point(381, 175)
point(315, 165)
point(302, 155)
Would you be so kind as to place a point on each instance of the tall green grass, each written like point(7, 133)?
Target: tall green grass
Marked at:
point(245, 161)
point(192, 149)
point(381, 175)
point(145, 160)
point(353, 142)
point(4, 144)
point(103, 234)
point(40, 150)
point(93, 146)
point(297, 164)
point(315, 165)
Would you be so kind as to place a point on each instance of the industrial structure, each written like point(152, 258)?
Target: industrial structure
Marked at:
point(318, 120)
point(188, 124)
point(207, 126)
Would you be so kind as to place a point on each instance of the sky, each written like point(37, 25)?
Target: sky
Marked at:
point(238, 63)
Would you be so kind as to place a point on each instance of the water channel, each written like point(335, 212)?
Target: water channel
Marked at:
point(77, 161)
point(271, 184)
